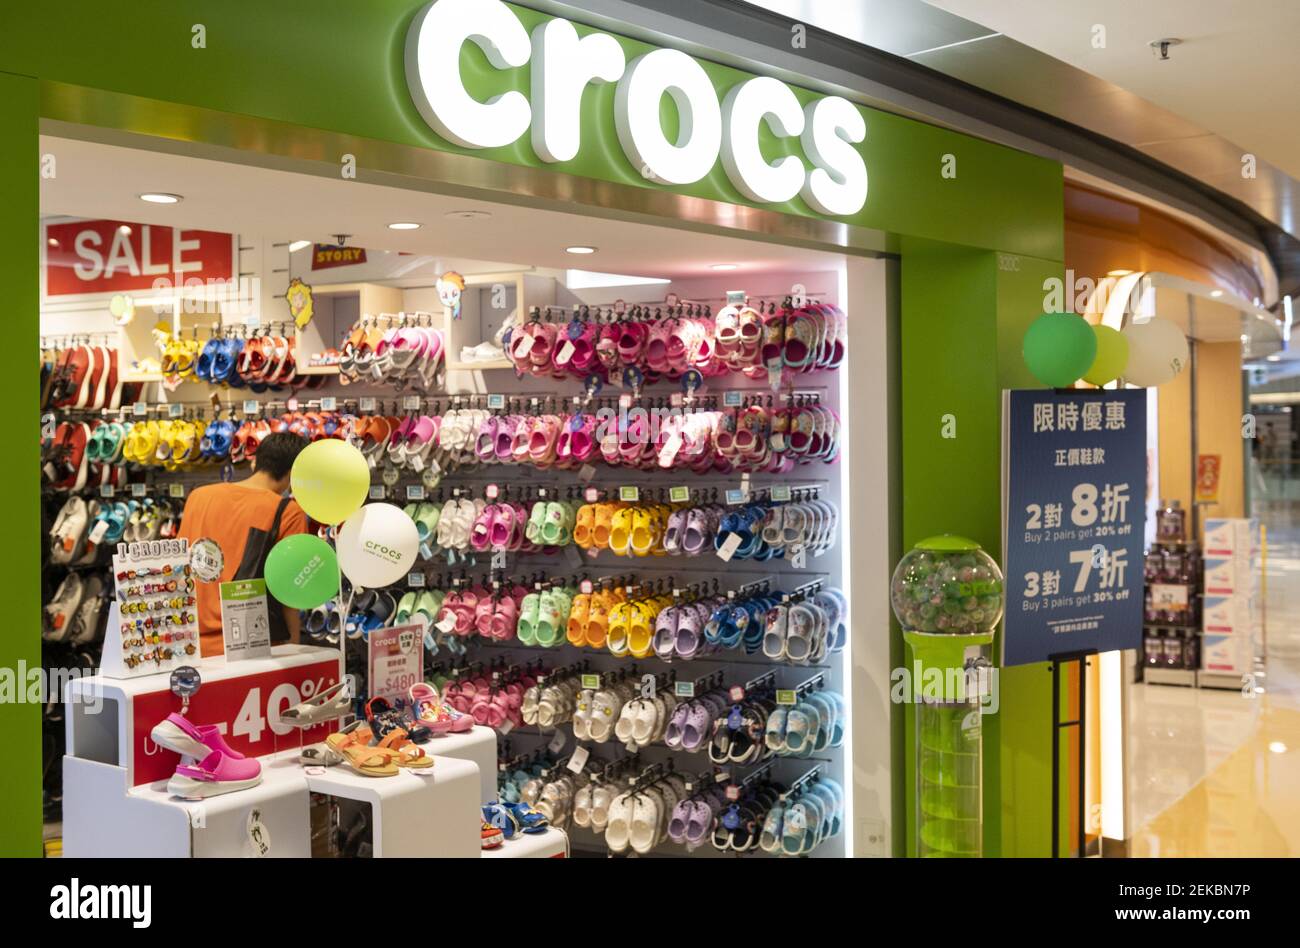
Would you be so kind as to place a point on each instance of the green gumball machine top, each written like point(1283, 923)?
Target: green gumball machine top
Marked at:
point(947, 585)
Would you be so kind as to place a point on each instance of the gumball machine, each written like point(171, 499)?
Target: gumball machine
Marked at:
point(947, 595)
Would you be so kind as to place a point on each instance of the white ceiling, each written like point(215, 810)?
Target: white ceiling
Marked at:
point(104, 181)
point(1235, 73)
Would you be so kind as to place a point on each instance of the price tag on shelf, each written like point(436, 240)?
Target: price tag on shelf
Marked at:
point(591, 682)
point(415, 580)
point(585, 587)
point(736, 297)
point(138, 490)
point(492, 491)
point(629, 495)
point(106, 490)
point(737, 694)
point(565, 354)
point(328, 403)
point(377, 492)
point(523, 347)
point(733, 793)
point(732, 399)
point(292, 403)
point(415, 492)
point(684, 689)
point(417, 463)
point(366, 405)
point(579, 759)
point(591, 495)
point(252, 406)
point(411, 402)
point(781, 493)
point(140, 409)
point(175, 410)
point(176, 490)
point(496, 402)
point(679, 495)
point(737, 495)
point(729, 547)
point(786, 696)
point(446, 624)
point(586, 473)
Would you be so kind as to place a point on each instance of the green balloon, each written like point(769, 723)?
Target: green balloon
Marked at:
point(1059, 348)
point(302, 571)
point(1112, 356)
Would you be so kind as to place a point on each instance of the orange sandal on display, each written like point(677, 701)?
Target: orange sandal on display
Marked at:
point(353, 745)
point(403, 751)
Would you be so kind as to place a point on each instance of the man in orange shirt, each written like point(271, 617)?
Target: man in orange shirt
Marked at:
point(239, 517)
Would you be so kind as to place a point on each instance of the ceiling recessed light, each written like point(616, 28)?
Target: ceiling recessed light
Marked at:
point(468, 215)
point(160, 197)
point(404, 225)
point(1216, 293)
point(125, 229)
point(579, 249)
point(726, 266)
point(299, 245)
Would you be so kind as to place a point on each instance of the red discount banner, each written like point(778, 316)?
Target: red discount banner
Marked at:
point(117, 256)
point(246, 710)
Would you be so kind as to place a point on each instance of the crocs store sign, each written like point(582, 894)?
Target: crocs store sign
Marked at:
point(713, 124)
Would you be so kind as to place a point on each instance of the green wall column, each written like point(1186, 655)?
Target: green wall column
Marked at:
point(20, 638)
point(963, 314)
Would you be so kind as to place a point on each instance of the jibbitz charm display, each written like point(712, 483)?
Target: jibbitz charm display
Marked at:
point(156, 601)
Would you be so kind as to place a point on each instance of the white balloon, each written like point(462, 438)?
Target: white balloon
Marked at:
point(377, 545)
point(1157, 352)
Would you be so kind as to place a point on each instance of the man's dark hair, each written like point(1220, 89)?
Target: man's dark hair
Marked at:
point(275, 455)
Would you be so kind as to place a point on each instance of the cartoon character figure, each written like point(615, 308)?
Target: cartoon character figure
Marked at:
point(450, 286)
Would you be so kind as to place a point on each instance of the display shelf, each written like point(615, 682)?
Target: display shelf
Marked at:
point(553, 844)
point(1221, 681)
point(1184, 677)
point(318, 370)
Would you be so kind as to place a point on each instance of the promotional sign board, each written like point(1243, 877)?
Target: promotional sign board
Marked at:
point(396, 660)
point(1209, 468)
point(244, 623)
point(1074, 472)
point(120, 256)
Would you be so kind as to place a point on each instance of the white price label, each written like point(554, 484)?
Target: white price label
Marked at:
point(729, 547)
point(496, 402)
point(176, 490)
point(411, 403)
point(252, 406)
point(377, 492)
point(781, 493)
point(328, 403)
point(415, 580)
point(579, 759)
point(415, 492)
point(366, 404)
point(629, 495)
point(175, 410)
point(138, 490)
point(139, 409)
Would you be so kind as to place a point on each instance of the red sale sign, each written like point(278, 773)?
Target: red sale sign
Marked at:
point(119, 256)
point(246, 710)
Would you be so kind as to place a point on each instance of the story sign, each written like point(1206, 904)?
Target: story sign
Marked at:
point(831, 176)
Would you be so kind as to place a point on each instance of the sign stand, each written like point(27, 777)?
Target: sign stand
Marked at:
point(1055, 664)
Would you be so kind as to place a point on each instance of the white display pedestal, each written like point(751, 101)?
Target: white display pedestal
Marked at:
point(115, 779)
point(553, 844)
point(478, 745)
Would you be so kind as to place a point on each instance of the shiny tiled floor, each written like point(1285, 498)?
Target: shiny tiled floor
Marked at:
point(1217, 773)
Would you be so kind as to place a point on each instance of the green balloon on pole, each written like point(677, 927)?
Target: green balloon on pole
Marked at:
point(1112, 356)
point(302, 571)
point(1059, 348)
point(330, 480)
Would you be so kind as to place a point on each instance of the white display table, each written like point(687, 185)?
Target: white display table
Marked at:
point(553, 844)
point(115, 779)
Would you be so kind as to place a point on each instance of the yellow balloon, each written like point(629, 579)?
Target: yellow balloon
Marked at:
point(1112, 356)
point(330, 480)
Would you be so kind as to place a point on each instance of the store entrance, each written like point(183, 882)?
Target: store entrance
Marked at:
point(624, 450)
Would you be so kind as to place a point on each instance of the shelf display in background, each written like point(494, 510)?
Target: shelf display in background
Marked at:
point(1074, 477)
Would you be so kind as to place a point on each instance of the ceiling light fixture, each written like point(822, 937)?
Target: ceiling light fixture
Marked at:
point(299, 245)
point(468, 215)
point(579, 249)
point(160, 197)
point(404, 225)
point(726, 266)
